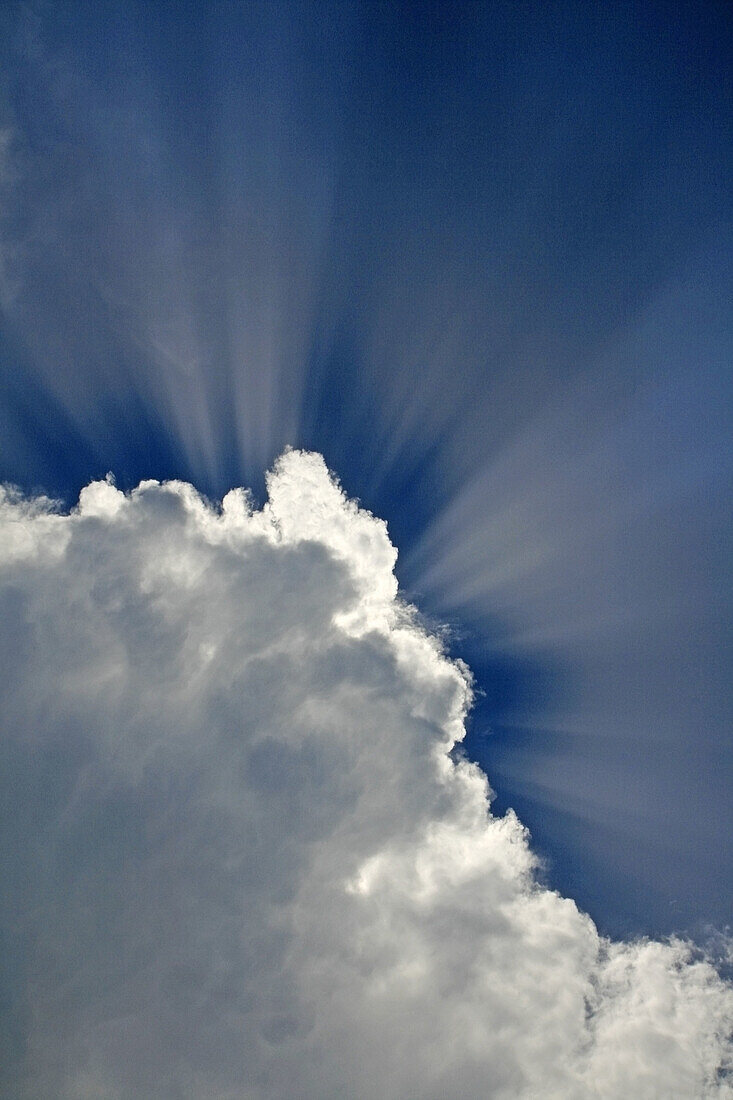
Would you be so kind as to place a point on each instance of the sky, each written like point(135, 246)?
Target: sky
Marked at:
point(478, 257)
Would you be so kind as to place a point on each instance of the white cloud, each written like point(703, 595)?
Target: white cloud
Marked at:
point(238, 859)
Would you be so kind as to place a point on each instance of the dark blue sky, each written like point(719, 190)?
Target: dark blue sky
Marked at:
point(478, 255)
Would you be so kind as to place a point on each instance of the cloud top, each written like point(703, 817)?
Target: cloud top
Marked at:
point(239, 859)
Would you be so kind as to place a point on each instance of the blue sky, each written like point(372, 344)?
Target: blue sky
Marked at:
point(478, 256)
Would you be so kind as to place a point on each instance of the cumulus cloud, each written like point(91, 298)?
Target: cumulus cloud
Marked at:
point(240, 859)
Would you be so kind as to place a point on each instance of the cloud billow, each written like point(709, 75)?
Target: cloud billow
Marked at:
point(240, 858)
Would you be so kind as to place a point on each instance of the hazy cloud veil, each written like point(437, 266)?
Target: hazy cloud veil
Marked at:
point(242, 859)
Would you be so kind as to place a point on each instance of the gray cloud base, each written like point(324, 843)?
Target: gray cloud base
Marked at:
point(238, 859)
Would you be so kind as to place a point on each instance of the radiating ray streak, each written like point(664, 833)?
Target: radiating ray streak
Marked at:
point(607, 823)
point(409, 361)
point(562, 529)
point(584, 775)
point(599, 538)
point(122, 269)
point(277, 179)
point(269, 321)
point(207, 286)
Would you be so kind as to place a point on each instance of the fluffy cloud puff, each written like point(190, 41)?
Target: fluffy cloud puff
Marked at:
point(240, 860)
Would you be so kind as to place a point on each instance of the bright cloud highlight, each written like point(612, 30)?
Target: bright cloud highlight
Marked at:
point(240, 858)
